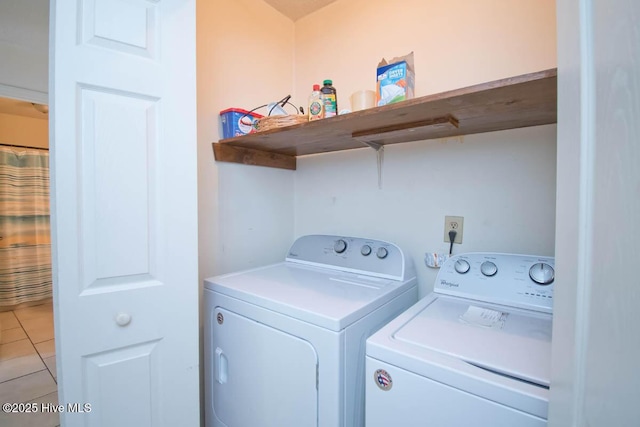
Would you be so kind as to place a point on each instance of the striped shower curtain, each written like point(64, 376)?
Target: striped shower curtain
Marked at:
point(25, 243)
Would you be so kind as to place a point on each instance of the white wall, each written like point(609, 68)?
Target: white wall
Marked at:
point(502, 183)
point(26, 131)
point(244, 59)
point(24, 49)
point(456, 43)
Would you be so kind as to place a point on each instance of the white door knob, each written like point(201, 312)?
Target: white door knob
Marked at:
point(123, 319)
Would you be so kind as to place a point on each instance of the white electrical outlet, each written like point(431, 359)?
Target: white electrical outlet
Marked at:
point(453, 223)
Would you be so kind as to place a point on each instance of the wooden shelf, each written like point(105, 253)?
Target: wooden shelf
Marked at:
point(516, 102)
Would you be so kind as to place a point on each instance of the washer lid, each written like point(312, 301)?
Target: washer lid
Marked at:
point(327, 298)
point(504, 340)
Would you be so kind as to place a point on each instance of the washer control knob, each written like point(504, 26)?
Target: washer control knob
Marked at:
point(365, 250)
point(542, 273)
point(462, 266)
point(488, 268)
point(382, 253)
point(340, 246)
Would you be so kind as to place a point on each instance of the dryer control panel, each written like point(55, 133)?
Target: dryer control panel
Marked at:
point(524, 281)
point(353, 254)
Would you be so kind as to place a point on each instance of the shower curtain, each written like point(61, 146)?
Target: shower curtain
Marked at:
point(25, 243)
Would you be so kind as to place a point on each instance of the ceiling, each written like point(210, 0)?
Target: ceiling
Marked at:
point(24, 24)
point(296, 9)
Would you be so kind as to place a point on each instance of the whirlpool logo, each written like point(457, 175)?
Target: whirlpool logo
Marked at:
point(449, 284)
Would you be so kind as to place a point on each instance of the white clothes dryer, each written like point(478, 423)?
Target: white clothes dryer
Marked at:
point(476, 351)
point(285, 343)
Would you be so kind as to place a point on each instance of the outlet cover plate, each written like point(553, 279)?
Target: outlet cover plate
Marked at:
point(453, 223)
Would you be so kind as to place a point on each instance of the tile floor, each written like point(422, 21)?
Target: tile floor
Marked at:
point(28, 364)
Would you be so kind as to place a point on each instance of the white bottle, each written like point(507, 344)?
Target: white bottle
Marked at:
point(316, 104)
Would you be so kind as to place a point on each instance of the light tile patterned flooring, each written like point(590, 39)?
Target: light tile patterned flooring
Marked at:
point(28, 364)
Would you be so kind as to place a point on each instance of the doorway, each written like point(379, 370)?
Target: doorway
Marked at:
point(27, 345)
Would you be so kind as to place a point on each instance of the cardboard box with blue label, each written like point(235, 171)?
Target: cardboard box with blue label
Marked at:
point(395, 81)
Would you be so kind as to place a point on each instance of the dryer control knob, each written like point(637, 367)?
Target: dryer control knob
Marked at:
point(542, 273)
point(365, 250)
point(488, 268)
point(462, 266)
point(340, 246)
point(382, 253)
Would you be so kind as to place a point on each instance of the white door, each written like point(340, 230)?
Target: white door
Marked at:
point(596, 321)
point(261, 376)
point(123, 147)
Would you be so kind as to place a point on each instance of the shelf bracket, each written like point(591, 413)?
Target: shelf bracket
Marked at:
point(379, 156)
point(373, 145)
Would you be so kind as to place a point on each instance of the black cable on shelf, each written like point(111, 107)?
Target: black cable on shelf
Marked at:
point(284, 101)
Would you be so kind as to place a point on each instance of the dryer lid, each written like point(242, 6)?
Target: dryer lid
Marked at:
point(504, 340)
point(324, 297)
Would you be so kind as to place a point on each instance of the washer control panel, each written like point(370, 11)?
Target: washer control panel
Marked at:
point(524, 281)
point(367, 256)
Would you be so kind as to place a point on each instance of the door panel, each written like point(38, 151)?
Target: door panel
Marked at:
point(261, 376)
point(137, 369)
point(124, 211)
point(117, 135)
point(135, 30)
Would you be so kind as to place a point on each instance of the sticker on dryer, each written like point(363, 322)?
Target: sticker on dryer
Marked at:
point(220, 318)
point(383, 379)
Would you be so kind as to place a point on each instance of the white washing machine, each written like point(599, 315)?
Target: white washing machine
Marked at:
point(285, 343)
point(476, 351)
